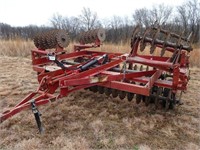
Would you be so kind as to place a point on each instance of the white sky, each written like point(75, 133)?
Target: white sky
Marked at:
point(39, 12)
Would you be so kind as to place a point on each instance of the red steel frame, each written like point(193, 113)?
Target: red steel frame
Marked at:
point(72, 78)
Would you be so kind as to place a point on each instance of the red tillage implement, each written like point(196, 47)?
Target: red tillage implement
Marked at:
point(150, 78)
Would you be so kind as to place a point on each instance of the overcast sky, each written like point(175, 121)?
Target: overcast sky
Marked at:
point(39, 12)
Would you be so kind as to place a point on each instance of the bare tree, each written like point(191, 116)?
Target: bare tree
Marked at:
point(118, 29)
point(60, 22)
point(6, 31)
point(105, 23)
point(127, 29)
point(89, 19)
point(71, 25)
point(159, 13)
point(57, 21)
point(189, 16)
point(74, 27)
point(115, 24)
point(183, 16)
point(142, 17)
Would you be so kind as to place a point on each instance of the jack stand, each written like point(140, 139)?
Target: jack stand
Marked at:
point(37, 115)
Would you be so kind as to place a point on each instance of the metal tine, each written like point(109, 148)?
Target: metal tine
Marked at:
point(153, 46)
point(165, 44)
point(147, 68)
point(135, 67)
point(141, 68)
point(130, 66)
point(178, 43)
point(189, 38)
point(143, 43)
point(135, 35)
point(179, 39)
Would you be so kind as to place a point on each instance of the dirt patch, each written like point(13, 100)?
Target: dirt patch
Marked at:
point(85, 120)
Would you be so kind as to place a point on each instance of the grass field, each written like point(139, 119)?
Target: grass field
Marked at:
point(85, 120)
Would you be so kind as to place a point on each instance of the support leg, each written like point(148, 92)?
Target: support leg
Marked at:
point(37, 115)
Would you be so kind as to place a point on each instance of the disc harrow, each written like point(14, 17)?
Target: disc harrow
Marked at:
point(139, 76)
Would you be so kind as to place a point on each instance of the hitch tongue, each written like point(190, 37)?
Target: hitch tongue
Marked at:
point(37, 115)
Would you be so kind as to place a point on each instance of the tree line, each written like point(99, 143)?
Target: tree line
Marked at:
point(182, 19)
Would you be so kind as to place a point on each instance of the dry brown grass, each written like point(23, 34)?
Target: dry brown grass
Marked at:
point(85, 120)
point(116, 48)
point(15, 47)
point(21, 48)
point(195, 56)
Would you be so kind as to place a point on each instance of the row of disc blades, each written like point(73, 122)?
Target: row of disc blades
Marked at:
point(157, 36)
point(92, 35)
point(51, 39)
point(157, 93)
